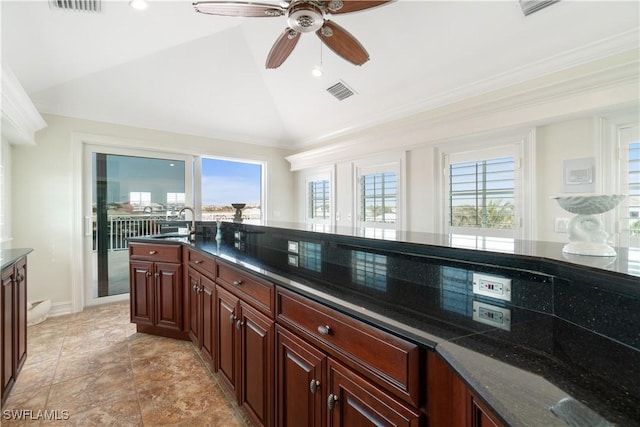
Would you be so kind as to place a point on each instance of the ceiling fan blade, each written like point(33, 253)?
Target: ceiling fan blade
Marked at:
point(282, 48)
point(346, 6)
point(237, 8)
point(342, 43)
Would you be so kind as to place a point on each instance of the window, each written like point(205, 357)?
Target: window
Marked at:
point(482, 191)
point(319, 199)
point(176, 199)
point(630, 185)
point(226, 182)
point(378, 197)
point(379, 193)
point(140, 199)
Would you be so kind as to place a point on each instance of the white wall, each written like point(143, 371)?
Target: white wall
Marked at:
point(43, 184)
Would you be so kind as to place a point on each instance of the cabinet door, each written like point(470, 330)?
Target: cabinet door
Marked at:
point(480, 414)
point(142, 292)
point(7, 298)
point(168, 305)
point(257, 364)
point(195, 308)
point(300, 376)
point(354, 402)
point(225, 338)
point(207, 294)
point(21, 312)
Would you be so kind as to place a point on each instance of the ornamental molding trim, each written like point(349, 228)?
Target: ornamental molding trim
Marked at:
point(612, 82)
point(20, 118)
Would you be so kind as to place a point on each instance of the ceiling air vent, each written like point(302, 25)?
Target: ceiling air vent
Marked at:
point(530, 6)
point(340, 90)
point(77, 5)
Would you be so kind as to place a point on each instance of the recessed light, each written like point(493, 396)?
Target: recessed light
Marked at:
point(138, 4)
point(317, 72)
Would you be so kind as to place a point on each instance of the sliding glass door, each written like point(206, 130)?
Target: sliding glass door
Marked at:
point(132, 193)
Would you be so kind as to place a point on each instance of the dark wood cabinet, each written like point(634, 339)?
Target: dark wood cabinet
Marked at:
point(13, 327)
point(336, 371)
point(450, 403)
point(245, 338)
point(157, 289)
point(301, 370)
point(201, 297)
point(355, 402)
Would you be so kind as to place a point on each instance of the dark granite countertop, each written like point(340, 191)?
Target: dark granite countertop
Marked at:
point(555, 347)
point(9, 256)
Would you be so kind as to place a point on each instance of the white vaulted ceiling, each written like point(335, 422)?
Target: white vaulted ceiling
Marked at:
point(170, 68)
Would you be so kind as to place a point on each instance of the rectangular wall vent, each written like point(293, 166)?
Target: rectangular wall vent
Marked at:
point(340, 90)
point(77, 5)
point(530, 6)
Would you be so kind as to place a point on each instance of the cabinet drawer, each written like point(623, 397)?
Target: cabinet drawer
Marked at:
point(203, 263)
point(258, 293)
point(150, 252)
point(393, 360)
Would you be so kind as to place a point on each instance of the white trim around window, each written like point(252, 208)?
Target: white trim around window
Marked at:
point(519, 144)
point(395, 163)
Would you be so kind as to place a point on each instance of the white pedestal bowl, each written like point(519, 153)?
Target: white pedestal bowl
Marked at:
point(586, 232)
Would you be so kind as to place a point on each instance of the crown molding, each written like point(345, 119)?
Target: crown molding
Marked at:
point(20, 118)
point(583, 90)
point(605, 48)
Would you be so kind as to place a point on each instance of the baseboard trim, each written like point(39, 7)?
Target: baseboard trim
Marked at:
point(61, 308)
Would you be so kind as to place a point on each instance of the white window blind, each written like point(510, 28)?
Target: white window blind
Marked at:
point(378, 197)
point(482, 192)
point(319, 198)
point(630, 185)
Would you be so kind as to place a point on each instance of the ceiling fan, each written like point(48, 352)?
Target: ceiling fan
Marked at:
point(303, 16)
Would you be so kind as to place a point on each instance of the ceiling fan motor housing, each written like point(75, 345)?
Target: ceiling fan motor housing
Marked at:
point(305, 16)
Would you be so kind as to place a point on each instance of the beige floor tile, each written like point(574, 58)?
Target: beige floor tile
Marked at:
point(94, 369)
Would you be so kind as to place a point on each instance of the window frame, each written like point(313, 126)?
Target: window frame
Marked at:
point(519, 144)
point(390, 162)
point(197, 174)
point(322, 174)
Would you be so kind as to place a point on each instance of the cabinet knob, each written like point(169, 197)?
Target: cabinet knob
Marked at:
point(157, 275)
point(148, 274)
point(314, 385)
point(198, 261)
point(232, 318)
point(195, 288)
point(239, 324)
point(331, 401)
point(153, 252)
point(324, 330)
point(237, 282)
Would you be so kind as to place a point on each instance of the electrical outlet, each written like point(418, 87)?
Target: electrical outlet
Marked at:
point(492, 286)
point(491, 315)
point(562, 225)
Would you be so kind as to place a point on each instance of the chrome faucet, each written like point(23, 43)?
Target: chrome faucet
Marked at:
point(192, 230)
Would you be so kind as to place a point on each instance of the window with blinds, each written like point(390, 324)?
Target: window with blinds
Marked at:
point(482, 193)
point(378, 197)
point(633, 193)
point(319, 197)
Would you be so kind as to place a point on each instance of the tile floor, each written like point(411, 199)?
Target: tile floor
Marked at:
point(95, 368)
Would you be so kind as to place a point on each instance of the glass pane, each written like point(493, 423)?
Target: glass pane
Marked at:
point(131, 195)
point(227, 182)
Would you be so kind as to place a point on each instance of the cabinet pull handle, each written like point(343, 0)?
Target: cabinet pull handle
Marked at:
point(148, 274)
point(232, 318)
point(331, 401)
point(198, 261)
point(157, 275)
point(237, 282)
point(324, 330)
point(314, 385)
point(153, 252)
point(239, 324)
point(195, 288)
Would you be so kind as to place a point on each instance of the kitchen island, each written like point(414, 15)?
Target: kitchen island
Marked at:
point(568, 339)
